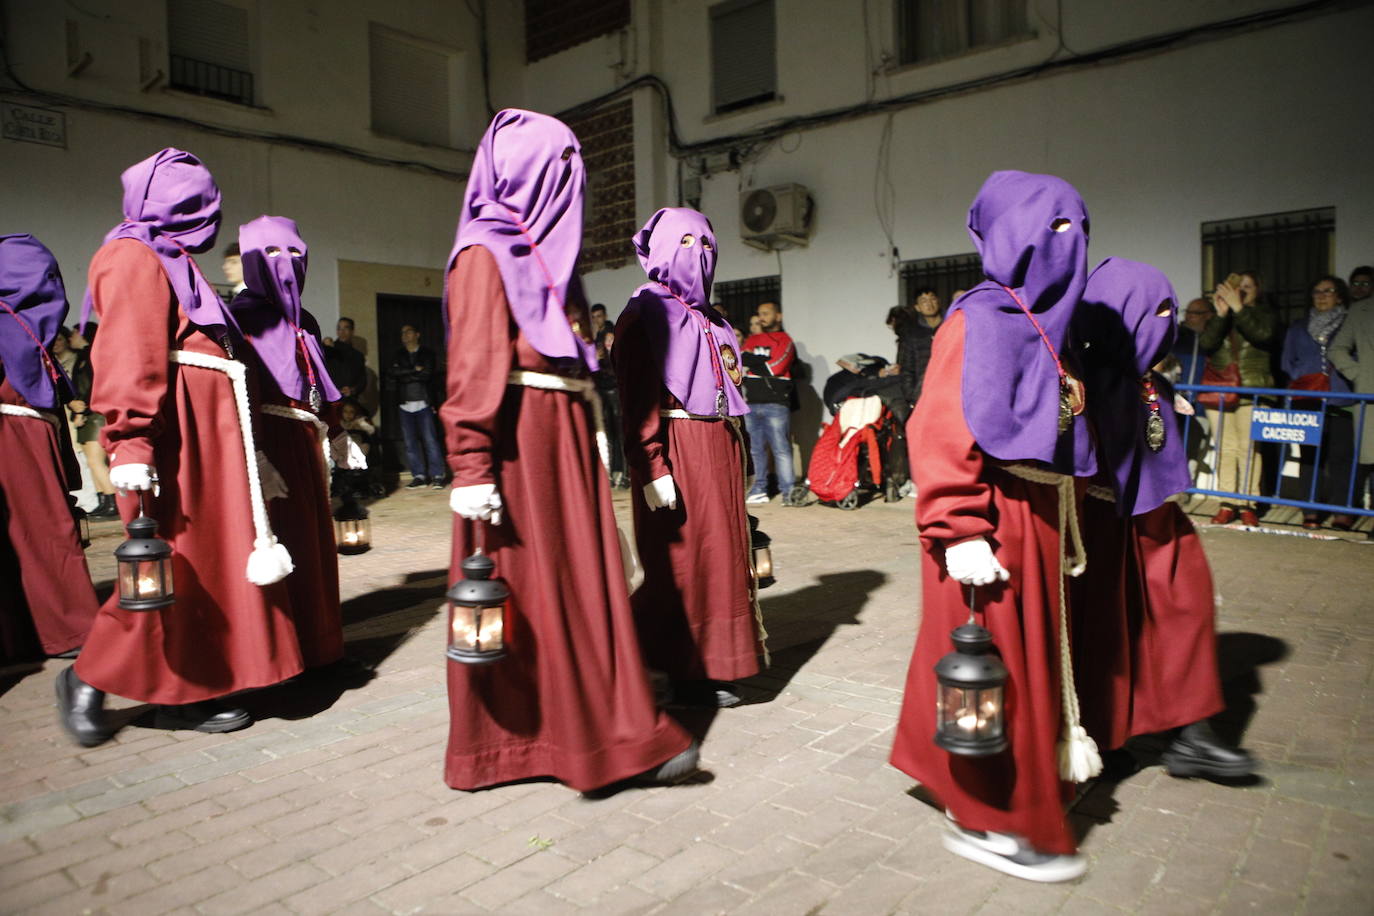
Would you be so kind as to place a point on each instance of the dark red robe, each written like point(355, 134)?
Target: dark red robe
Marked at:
point(695, 611)
point(1144, 627)
point(571, 700)
point(223, 634)
point(47, 602)
point(962, 494)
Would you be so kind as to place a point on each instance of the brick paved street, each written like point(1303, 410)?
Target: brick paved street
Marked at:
point(334, 802)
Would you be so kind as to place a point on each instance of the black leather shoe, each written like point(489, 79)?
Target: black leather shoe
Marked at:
point(105, 507)
point(1197, 751)
point(206, 716)
point(81, 710)
point(674, 768)
point(710, 694)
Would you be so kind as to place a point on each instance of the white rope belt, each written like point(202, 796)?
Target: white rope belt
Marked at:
point(548, 381)
point(269, 561)
point(16, 410)
point(304, 416)
point(1106, 494)
point(1078, 756)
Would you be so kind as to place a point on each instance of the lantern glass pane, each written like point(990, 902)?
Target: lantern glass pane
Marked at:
point(957, 711)
point(989, 708)
point(128, 575)
point(166, 566)
point(462, 627)
point(763, 562)
point(491, 634)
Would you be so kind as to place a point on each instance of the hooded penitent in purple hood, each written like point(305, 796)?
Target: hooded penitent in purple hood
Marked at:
point(171, 204)
point(524, 205)
point(1032, 233)
point(1125, 325)
point(693, 346)
point(33, 303)
point(269, 312)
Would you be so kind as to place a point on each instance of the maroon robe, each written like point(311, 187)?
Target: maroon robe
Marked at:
point(1144, 625)
point(962, 494)
point(301, 520)
point(49, 605)
point(223, 634)
point(695, 610)
point(571, 700)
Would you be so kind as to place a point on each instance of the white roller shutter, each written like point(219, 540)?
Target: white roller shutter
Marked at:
point(410, 88)
point(743, 53)
point(210, 32)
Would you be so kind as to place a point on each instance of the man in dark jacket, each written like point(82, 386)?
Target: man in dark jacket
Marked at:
point(411, 371)
point(344, 362)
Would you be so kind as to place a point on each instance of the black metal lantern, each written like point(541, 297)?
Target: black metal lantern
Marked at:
point(352, 528)
point(970, 703)
point(145, 568)
point(762, 546)
point(83, 526)
point(478, 607)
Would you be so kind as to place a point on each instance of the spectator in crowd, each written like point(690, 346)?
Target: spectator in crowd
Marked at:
point(1187, 347)
point(913, 342)
point(87, 422)
point(345, 363)
point(232, 265)
point(1237, 341)
point(722, 311)
point(1305, 363)
point(768, 356)
point(1361, 283)
point(1351, 352)
point(356, 423)
point(755, 325)
point(603, 335)
point(412, 370)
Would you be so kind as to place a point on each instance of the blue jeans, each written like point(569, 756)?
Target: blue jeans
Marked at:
point(769, 426)
point(423, 454)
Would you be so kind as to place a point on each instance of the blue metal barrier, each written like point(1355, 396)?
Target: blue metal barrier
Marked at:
point(1290, 426)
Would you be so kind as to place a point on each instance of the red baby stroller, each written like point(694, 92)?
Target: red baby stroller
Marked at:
point(848, 460)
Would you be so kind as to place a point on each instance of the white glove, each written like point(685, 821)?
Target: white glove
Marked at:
point(972, 563)
point(128, 477)
point(346, 454)
point(661, 494)
point(273, 486)
point(477, 501)
point(1182, 406)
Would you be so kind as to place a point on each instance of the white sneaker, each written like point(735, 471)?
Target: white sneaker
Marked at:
point(755, 498)
point(1025, 863)
point(1002, 844)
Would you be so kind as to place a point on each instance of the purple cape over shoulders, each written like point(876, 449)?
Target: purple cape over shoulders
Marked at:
point(269, 309)
point(171, 204)
point(1125, 325)
point(692, 345)
point(31, 287)
point(1031, 231)
point(523, 203)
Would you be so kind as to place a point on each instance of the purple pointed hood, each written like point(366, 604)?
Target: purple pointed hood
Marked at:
point(171, 204)
point(1032, 234)
point(1126, 325)
point(693, 346)
point(269, 312)
point(33, 303)
point(524, 204)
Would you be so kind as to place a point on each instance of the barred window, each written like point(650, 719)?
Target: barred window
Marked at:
point(945, 275)
point(742, 298)
point(208, 49)
point(932, 29)
point(1288, 251)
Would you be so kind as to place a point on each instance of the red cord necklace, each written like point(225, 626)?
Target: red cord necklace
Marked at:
point(1070, 388)
point(710, 348)
point(42, 350)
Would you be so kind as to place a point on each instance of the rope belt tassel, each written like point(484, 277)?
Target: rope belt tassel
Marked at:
point(1078, 756)
point(269, 560)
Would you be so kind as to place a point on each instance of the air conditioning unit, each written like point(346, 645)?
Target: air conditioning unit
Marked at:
point(776, 218)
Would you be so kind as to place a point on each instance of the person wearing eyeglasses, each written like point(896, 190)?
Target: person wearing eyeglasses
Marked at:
point(1305, 362)
point(1351, 352)
point(1361, 283)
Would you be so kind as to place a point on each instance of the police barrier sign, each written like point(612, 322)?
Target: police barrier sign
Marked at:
point(1299, 427)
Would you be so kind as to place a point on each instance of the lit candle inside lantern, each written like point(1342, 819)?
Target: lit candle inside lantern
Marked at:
point(966, 719)
point(351, 537)
point(491, 629)
point(147, 586)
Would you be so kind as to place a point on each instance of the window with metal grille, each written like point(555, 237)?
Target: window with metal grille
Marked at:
point(556, 25)
point(931, 29)
point(410, 87)
point(608, 154)
point(945, 275)
point(208, 50)
point(742, 298)
point(1288, 251)
point(744, 53)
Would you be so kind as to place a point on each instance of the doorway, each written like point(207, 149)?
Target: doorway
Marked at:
point(424, 314)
